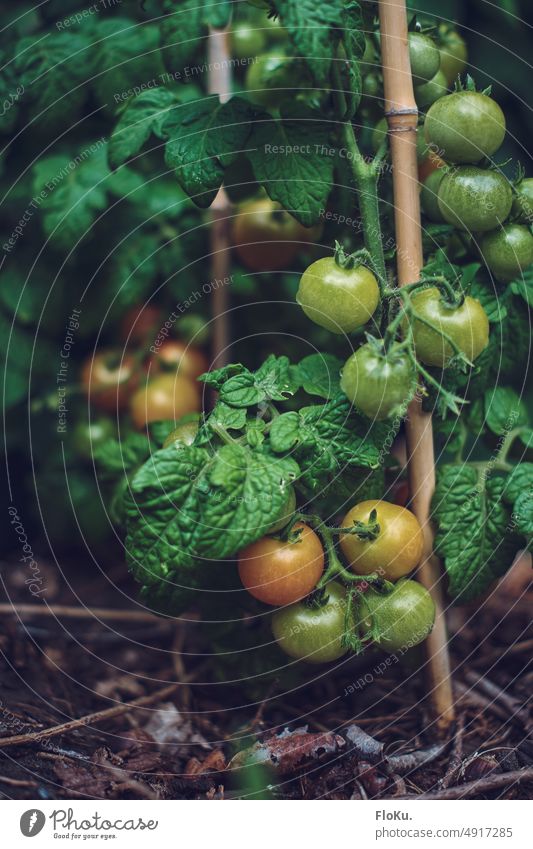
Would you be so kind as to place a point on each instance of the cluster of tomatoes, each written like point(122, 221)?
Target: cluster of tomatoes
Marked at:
point(150, 383)
point(465, 129)
point(381, 544)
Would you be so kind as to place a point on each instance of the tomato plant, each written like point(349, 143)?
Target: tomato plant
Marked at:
point(299, 422)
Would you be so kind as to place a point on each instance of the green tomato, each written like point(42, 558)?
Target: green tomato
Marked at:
point(286, 513)
point(185, 432)
point(339, 299)
point(430, 92)
point(380, 385)
point(88, 436)
point(424, 57)
point(453, 54)
point(522, 207)
point(403, 617)
point(474, 199)
point(313, 634)
point(274, 78)
point(274, 32)
point(466, 325)
point(429, 195)
point(466, 126)
point(246, 40)
point(508, 251)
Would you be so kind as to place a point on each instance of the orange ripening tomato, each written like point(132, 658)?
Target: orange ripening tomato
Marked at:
point(396, 549)
point(267, 237)
point(166, 397)
point(280, 572)
point(432, 162)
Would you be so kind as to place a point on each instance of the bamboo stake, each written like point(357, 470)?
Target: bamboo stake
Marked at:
point(219, 82)
point(402, 114)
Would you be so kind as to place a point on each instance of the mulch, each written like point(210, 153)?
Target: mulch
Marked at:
point(121, 704)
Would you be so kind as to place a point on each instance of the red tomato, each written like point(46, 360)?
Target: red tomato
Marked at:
point(110, 378)
point(187, 360)
point(140, 325)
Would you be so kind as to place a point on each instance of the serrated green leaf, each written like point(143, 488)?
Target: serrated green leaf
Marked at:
point(315, 28)
point(518, 481)
point(300, 182)
point(116, 456)
point(271, 382)
point(203, 138)
point(143, 116)
point(183, 28)
point(231, 418)
point(523, 513)
point(126, 57)
point(504, 410)
point(475, 533)
point(52, 69)
point(162, 510)
point(524, 286)
point(319, 375)
point(249, 492)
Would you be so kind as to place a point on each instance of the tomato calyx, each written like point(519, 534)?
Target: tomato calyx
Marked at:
point(364, 530)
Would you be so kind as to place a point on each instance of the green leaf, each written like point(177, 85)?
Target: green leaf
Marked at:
point(492, 301)
point(182, 30)
point(52, 70)
point(319, 374)
point(72, 192)
point(300, 182)
point(142, 116)
point(523, 513)
point(326, 439)
point(255, 432)
point(117, 457)
point(230, 418)
point(475, 532)
point(217, 13)
point(248, 493)
point(271, 382)
point(504, 410)
point(126, 58)
point(519, 480)
point(526, 437)
point(314, 30)
point(162, 510)
point(216, 378)
point(203, 138)
point(524, 286)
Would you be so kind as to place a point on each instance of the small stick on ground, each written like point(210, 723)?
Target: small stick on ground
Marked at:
point(73, 612)
point(17, 782)
point(456, 757)
point(481, 785)
point(89, 719)
point(499, 696)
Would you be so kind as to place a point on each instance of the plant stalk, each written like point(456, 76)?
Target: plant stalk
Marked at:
point(219, 82)
point(402, 115)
